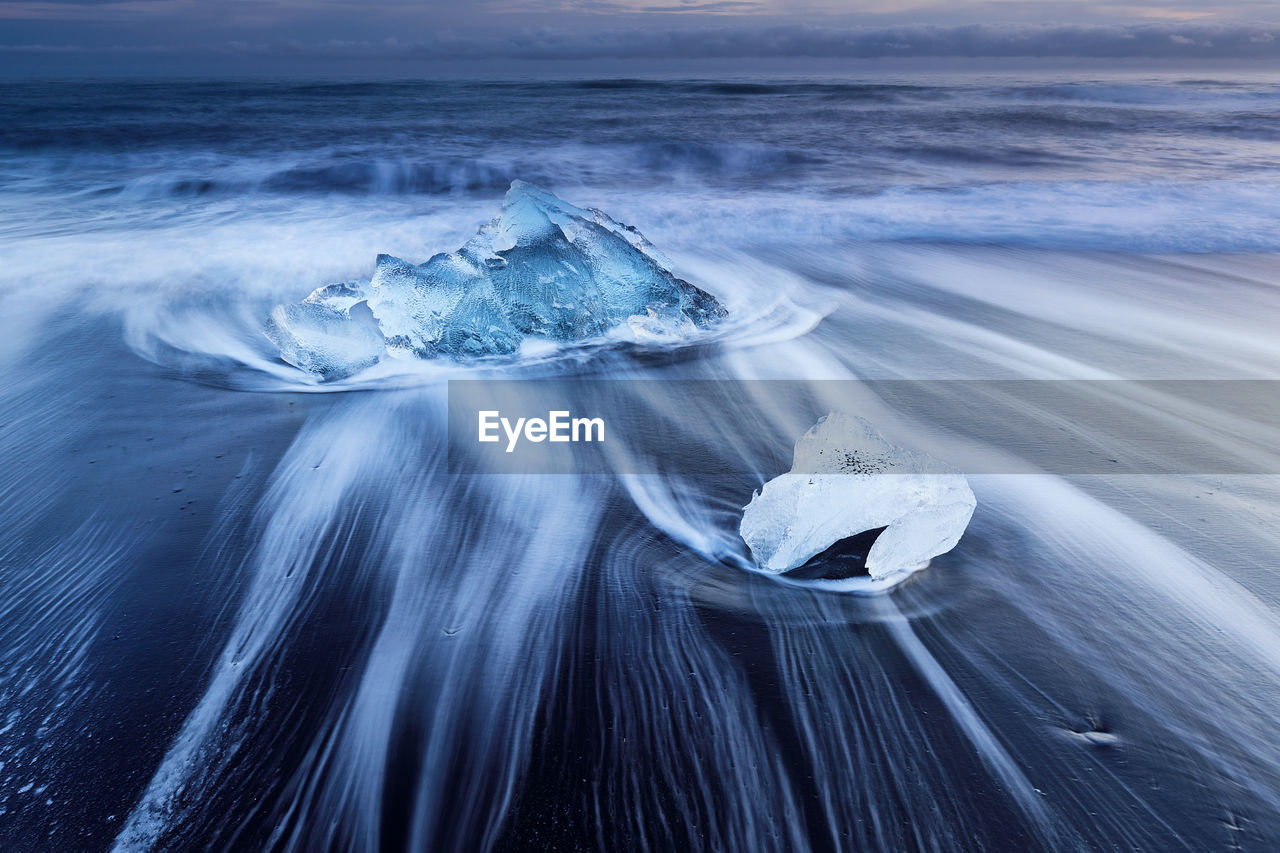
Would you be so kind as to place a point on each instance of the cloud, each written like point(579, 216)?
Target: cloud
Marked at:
point(1162, 40)
point(53, 4)
point(1155, 40)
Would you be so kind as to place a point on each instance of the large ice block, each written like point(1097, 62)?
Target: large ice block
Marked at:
point(846, 479)
point(543, 269)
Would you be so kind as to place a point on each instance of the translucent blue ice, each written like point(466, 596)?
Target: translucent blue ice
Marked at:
point(542, 269)
point(332, 333)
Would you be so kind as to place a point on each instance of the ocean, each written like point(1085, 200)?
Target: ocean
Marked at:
point(242, 608)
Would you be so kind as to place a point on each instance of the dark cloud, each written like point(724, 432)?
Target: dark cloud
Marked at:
point(723, 6)
point(1165, 41)
point(1160, 41)
point(11, 3)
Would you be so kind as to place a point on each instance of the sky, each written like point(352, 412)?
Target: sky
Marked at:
point(40, 37)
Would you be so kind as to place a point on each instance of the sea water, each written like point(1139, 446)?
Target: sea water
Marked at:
point(242, 607)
